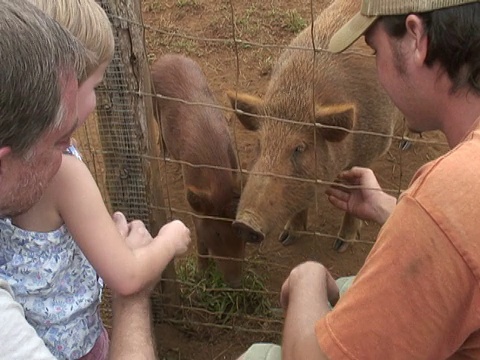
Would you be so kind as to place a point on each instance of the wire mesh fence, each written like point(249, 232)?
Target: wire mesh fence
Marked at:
point(237, 44)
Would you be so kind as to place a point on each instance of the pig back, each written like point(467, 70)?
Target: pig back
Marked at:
point(193, 128)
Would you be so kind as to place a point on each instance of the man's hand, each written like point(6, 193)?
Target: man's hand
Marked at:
point(136, 236)
point(132, 320)
point(362, 195)
point(135, 233)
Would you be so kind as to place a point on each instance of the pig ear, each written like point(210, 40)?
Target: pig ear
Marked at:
point(248, 105)
point(334, 121)
point(199, 201)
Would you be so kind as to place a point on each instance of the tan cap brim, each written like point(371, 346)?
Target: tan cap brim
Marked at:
point(350, 32)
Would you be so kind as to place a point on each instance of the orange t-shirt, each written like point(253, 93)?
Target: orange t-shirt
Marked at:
point(418, 295)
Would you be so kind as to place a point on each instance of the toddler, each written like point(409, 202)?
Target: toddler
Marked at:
point(51, 254)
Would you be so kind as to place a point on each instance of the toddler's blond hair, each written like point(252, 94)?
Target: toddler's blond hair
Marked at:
point(88, 22)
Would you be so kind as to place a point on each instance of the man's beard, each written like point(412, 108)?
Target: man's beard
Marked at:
point(24, 195)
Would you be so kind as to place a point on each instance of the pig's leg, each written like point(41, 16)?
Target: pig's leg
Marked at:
point(297, 222)
point(349, 231)
point(405, 143)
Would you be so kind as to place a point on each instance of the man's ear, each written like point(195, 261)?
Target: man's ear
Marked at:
point(4, 152)
point(418, 38)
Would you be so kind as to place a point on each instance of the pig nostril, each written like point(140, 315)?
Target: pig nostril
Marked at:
point(246, 233)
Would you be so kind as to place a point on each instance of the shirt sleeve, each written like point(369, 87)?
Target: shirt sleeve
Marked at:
point(17, 338)
point(415, 297)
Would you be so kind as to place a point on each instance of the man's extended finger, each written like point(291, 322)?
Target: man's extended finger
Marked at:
point(121, 223)
point(338, 198)
point(353, 175)
point(342, 205)
point(340, 193)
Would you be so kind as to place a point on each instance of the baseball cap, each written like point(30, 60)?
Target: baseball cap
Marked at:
point(371, 10)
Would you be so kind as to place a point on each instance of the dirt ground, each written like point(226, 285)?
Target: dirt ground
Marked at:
point(202, 30)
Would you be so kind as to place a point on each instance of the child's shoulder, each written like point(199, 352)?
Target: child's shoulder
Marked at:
point(70, 161)
point(72, 171)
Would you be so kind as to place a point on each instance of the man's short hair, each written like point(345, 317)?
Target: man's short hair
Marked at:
point(37, 58)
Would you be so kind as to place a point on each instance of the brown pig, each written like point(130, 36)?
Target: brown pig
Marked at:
point(342, 118)
point(198, 135)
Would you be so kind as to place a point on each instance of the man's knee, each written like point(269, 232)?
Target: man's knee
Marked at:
point(262, 351)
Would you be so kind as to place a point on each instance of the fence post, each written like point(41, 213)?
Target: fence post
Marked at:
point(128, 130)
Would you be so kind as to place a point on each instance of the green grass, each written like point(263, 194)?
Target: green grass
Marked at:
point(249, 22)
point(247, 16)
point(211, 293)
point(185, 46)
point(184, 3)
point(295, 22)
point(155, 6)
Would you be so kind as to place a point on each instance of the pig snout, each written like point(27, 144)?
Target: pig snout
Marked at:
point(247, 233)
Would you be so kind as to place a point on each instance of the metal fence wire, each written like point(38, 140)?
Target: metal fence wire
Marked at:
point(120, 144)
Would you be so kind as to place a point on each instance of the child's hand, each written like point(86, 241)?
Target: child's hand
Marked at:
point(177, 235)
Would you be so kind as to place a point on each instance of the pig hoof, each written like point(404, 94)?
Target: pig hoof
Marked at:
point(286, 238)
point(405, 145)
point(340, 245)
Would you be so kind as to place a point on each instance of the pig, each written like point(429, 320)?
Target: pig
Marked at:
point(198, 135)
point(343, 118)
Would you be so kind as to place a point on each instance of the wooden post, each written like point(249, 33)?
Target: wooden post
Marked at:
point(128, 129)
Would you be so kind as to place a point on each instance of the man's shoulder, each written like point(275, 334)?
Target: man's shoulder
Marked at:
point(457, 169)
point(18, 338)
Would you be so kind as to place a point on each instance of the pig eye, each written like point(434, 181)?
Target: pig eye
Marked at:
point(300, 148)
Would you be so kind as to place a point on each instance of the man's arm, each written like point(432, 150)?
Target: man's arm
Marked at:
point(132, 328)
point(132, 333)
point(17, 338)
point(305, 296)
